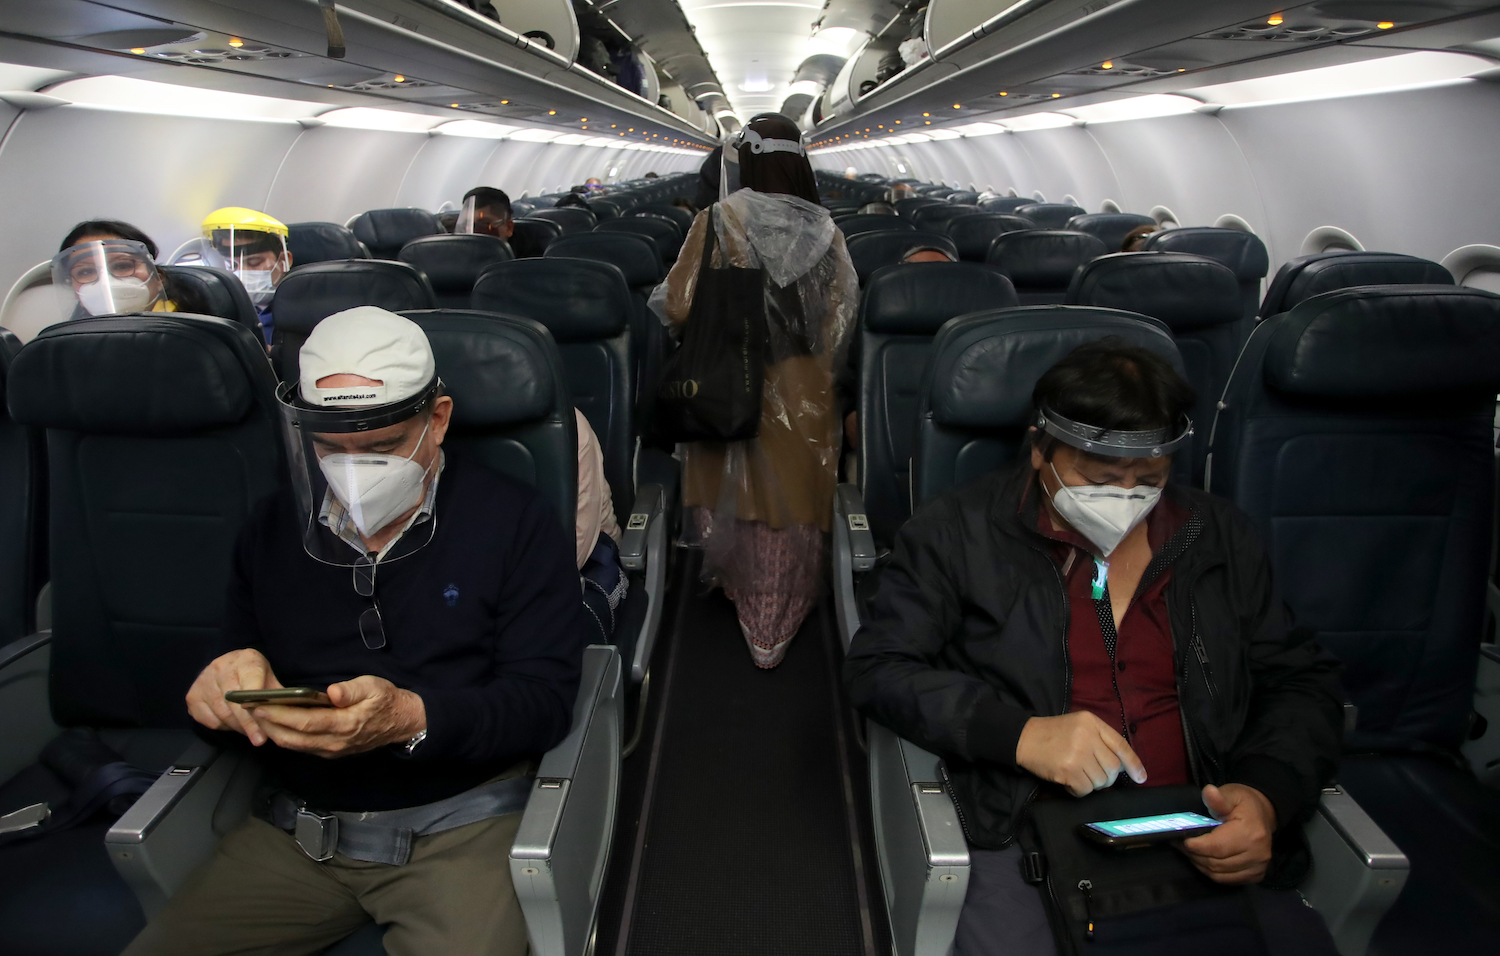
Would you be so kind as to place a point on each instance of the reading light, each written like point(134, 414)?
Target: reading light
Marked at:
point(400, 78)
point(552, 112)
point(957, 107)
point(236, 42)
point(1275, 20)
point(138, 51)
point(1107, 65)
point(1384, 25)
point(1003, 93)
point(1056, 95)
point(505, 102)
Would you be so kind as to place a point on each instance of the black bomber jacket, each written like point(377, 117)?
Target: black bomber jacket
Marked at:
point(964, 638)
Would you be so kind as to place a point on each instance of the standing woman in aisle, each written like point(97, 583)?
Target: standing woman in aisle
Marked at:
point(761, 506)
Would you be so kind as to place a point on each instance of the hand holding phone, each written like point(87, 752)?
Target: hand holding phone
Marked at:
point(292, 696)
point(1143, 831)
point(243, 669)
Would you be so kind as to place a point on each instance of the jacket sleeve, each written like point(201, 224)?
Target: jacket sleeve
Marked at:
point(1289, 748)
point(894, 668)
point(527, 705)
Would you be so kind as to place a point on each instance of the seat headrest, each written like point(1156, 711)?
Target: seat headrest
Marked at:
point(322, 241)
point(387, 230)
point(859, 223)
point(1005, 204)
point(916, 298)
point(933, 217)
point(452, 263)
point(310, 294)
point(1049, 215)
point(872, 250)
point(636, 256)
point(973, 233)
point(1184, 291)
point(218, 293)
point(1043, 258)
point(530, 237)
point(1302, 278)
point(1110, 227)
point(985, 366)
point(152, 374)
point(571, 218)
point(645, 226)
point(1387, 340)
point(499, 369)
point(578, 300)
point(1241, 251)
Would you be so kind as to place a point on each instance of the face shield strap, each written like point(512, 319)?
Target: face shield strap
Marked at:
point(1153, 443)
point(759, 144)
point(348, 420)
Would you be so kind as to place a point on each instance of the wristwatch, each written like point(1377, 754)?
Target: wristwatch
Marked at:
point(412, 744)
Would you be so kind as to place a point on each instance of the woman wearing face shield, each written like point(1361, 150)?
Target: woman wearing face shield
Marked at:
point(1079, 622)
point(108, 267)
point(253, 246)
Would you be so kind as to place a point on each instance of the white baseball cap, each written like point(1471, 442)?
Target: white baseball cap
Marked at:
point(371, 343)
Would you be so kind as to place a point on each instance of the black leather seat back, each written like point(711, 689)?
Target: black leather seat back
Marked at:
point(511, 408)
point(1050, 215)
point(322, 241)
point(605, 209)
point(586, 306)
point(530, 238)
point(1302, 278)
point(1198, 299)
point(218, 293)
point(873, 250)
point(310, 294)
point(936, 218)
point(453, 264)
point(162, 433)
point(1005, 204)
point(666, 235)
point(1357, 433)
point(906, 208)
point(964, 197)
point(1041, 263)
point(23, 503)
point(572, 219)
point(659, 210)
point(1241, 251)
point(385, 231)
point(973, 233)
point(976, 398)
point(1109, 228)
point(859, 223)
point(901, 310)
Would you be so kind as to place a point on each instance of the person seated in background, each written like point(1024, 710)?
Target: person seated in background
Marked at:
point(451, 661)
point(902, 191)
point(572, 199)
point(651, 176)
point(486, 212)
point(927, 254)
point(1136, 237)
point(253, 246)
point(109, 266)
point(877, 209)
point(1081, 618)
point(593, 184)
point(597, 536)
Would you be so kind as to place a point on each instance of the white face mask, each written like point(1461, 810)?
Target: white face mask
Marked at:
point(1104, 514)
point(375, 489)
point(128, 294)
point(259, 283)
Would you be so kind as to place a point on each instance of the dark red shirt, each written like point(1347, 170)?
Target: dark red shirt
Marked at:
point(1134, 689)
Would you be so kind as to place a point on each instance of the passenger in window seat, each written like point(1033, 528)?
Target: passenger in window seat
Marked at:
point(141, 289)
point(436, 604)
point(1081, 622)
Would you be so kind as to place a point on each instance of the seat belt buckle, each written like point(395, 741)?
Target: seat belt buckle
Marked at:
point(317, 834)
point(26, 818)
point(1033, 867)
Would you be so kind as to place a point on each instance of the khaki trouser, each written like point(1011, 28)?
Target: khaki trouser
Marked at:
point(260, 893)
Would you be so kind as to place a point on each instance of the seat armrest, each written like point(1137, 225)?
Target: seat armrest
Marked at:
point(562, 847)
point(643, 547)
point(1357, 870)
point(924, 858)
point(650, 501)
point(25, 710)
point(853, 552)
point(175, 825)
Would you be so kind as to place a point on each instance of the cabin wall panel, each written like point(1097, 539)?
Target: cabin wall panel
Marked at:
point(332, 174)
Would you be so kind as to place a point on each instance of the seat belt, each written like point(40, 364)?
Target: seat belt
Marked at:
point(75, 757)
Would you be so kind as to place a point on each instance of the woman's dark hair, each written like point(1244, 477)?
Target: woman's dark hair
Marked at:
point(786, 173)
point(572, 199)
point(1111, 384)
point(97, 228)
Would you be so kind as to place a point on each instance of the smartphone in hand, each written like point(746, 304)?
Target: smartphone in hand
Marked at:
point(295, 696)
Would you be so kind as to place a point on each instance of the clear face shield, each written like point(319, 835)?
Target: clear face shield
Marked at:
point(105, 277)
point(477, 220)
point(258, 258)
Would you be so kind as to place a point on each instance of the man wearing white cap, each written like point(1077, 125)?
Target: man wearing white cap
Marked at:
point(435, 605)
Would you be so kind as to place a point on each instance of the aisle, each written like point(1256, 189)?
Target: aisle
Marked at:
point(749, 846)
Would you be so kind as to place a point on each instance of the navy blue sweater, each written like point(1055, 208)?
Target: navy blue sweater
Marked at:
point(485, 622)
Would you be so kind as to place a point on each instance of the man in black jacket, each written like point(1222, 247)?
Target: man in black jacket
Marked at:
point(1082, 618)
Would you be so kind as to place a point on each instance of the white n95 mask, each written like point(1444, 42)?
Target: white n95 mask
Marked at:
point(111, 295)
point(1104, 514)
point(258, 284)
point(375, 489)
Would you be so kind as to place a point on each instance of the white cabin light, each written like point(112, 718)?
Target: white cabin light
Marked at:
point(535, 135)
point(363, 117)
point(131, 95)
point(476, 129)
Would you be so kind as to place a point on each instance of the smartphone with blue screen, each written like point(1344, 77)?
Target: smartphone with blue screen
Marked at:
point(1143, 831)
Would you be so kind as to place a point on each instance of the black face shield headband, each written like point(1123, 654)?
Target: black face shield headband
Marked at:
point(1153, 443)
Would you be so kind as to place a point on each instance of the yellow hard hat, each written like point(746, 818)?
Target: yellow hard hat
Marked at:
point(238, 217)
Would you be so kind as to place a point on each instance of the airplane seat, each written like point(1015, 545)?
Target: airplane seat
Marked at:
point(530, 238)
point(23, 526)
point(605, 209)
point(1198, 299)
point(321, 241)
point(385, 231)
point(964, 197)
point(454, 263)
point(1356, 432)
point(677, 214)
point(1241, 251)
point(870, 251)
point(973, 233)
point(906, 208)
point(1040, 263)
point(935, 218)
point(572, 219)
point(1050, 215)
point(1110, 227)
point(219, 292)
point(150, 477)
point(859, 223)
point(1306, 276)
point(665, 234)
point(1005, 204)
point(310, 294)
